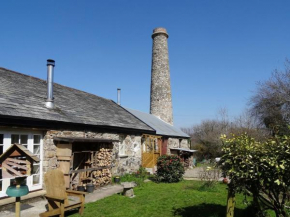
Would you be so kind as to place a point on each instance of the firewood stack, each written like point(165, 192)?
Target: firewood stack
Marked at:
point(95, 168)
point(102, 177)
point(103, 158)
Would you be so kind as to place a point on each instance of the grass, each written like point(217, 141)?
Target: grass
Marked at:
point(186, 198)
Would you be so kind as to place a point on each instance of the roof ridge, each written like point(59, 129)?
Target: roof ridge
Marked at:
point(53, 82)
point(125, 109)
point(154, 117)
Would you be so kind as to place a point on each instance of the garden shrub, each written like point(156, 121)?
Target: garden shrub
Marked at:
point(138, 177)
point(142, 173)
point(169, 169)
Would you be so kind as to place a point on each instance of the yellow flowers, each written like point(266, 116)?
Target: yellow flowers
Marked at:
point(223, 136)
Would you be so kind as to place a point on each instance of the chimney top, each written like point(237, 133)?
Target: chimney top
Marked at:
point(159, 30)
point(50, 62)
point(119, 96)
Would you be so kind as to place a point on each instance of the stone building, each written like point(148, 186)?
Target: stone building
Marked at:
point(63, 126)
point(85, 121)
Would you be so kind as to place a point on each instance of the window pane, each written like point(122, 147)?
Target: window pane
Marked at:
point(36, 139)
point(14, 138)
point(1, 138)
point(1, 172)
point(36, 149)
point(0, 185)
point(23, 139)
point(35, 169)
point(36, 179)
point(13, 182)
point(1, 149)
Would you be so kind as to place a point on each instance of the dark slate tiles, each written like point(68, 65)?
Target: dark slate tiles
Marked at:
point(24, 96)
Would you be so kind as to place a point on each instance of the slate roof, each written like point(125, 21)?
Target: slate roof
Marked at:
point(161, 127)
point(24, 96)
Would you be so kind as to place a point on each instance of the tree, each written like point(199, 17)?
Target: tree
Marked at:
point(262, 168)
point(271, 102)
point(246, 123)
point(205, 137)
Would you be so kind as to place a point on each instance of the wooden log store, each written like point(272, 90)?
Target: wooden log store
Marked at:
point(85, 161)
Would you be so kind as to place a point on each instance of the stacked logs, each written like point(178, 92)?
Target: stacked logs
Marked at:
point(102, 177)
point(103, 158)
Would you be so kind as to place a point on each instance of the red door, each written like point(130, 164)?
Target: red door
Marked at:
point(164, 145)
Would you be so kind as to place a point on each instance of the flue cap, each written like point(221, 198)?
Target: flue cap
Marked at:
point(50, 62)
point(159, 30)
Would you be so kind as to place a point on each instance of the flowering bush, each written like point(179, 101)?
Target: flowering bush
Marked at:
point(141, 173)
point(169, 168)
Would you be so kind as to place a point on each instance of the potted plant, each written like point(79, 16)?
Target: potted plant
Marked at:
point(117, 179)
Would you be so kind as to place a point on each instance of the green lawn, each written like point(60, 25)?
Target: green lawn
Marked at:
point(186, 198)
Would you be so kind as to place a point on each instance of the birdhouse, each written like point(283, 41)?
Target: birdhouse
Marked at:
point(16, 163)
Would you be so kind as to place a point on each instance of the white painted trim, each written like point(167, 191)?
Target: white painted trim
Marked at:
point(7, 143)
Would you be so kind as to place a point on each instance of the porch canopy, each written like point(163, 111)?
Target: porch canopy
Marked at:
point(183, 149)
point(92, 140)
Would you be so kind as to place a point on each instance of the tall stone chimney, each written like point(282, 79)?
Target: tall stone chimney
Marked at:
point(160, 97)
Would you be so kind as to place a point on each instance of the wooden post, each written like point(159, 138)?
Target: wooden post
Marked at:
point(17, 207)
point(231, 202)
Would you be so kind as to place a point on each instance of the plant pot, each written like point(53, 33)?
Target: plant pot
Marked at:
point(81, 188)
point(117, 180)
point(225, 181)
point(90, 188)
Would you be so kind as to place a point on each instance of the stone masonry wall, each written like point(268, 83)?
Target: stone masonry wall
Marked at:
point(184, 144)
point(176, 143)
point(125, 164)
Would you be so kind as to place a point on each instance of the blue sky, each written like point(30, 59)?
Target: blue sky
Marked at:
point(218, 50)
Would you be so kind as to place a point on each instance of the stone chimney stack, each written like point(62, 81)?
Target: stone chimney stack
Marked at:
point(160, 97)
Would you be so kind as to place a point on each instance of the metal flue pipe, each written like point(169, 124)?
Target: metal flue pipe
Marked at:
point(119, 96)
point(50, 70)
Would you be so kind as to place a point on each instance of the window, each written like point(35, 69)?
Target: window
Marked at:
point(24, 140)
point(1, 152)
point(19, 139)
point(32, 140)
point(1, 143)
point(36, 167)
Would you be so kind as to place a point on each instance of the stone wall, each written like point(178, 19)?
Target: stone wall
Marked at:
point(131, 161)
point(128, 163)
point(177, 143)
point(184, 144)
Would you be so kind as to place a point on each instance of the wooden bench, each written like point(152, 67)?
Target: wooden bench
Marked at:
point(57, 195)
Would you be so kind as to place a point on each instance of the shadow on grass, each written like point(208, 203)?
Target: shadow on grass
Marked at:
point(207, 210)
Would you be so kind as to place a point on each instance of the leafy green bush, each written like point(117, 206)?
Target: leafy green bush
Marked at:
point(142, 173)
point(169, 169)
point(137, 177)
point(262, 168)
point(132, 178)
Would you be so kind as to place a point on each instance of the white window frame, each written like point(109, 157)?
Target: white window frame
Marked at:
point(7, 143)
point(2, 144)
